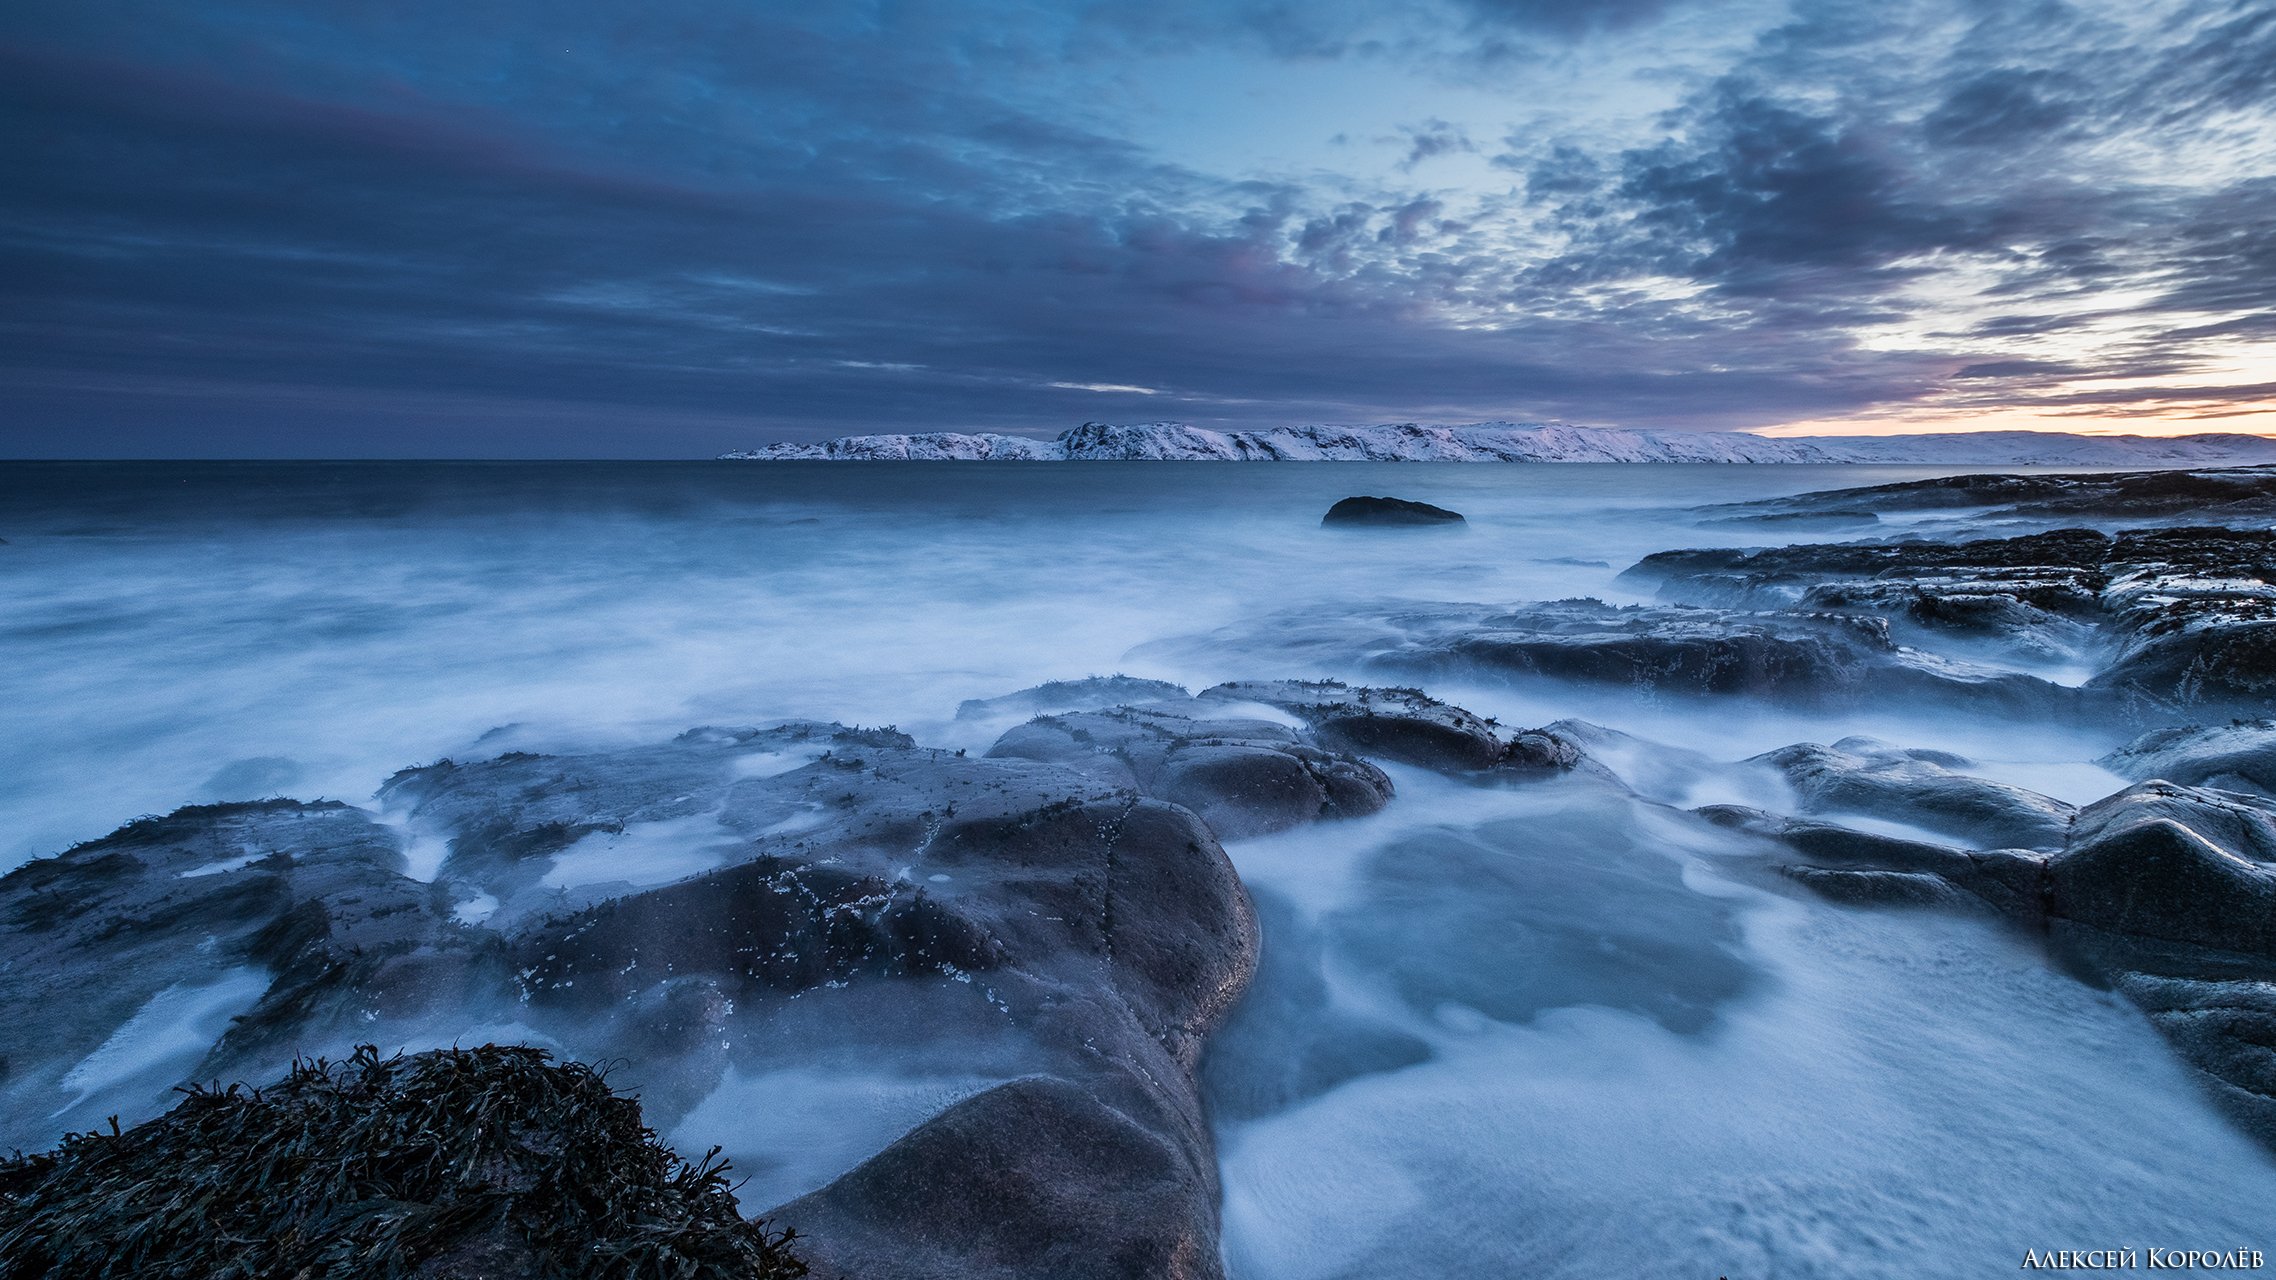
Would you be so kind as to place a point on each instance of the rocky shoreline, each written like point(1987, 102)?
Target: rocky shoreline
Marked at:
point(1056, 920)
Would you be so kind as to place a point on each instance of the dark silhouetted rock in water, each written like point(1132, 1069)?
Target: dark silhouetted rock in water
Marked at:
point(489, 1162)
point(2239, 756)
point(1388, 511)
point(2224, 493)
point(2166, 892)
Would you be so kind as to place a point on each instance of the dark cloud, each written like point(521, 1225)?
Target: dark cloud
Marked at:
point(1567, 18)
point(412, 227)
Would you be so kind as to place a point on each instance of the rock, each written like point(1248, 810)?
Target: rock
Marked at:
point(2188, 613)
point(294, 916)
point(1093, 694)
point(2195, 612)
point(1815, 659)
point(1243, 777)
point(2163, 891)
point(1388, 512)
point(487, 1162)
point(2227, 493)
point(1035, 1178)
point(702, 904)
point(1405, 725)
point(1862, 776)
point(2239, 756)
point(2168, 863)
point(2042, 592)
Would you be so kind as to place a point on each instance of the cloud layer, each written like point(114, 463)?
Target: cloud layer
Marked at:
point(572, 228)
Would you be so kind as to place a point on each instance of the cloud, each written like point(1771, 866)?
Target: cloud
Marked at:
point(414, 227)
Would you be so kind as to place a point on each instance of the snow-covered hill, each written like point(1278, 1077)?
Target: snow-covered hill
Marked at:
point(1522, 442)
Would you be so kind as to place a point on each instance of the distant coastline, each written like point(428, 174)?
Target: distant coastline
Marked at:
point(1522, 442)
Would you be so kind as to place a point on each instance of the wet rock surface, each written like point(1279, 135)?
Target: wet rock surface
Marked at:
point(1243, 777)
point(1388, 513)
point(2165, 892)
point(1406, 725)
point(1102, 928)
point(2238, 756)
point(1808, 659)
point(2172, 618)
point(1923, 788)
point(683, 905)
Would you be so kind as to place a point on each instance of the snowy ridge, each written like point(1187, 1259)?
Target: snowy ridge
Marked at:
point(1519, 442)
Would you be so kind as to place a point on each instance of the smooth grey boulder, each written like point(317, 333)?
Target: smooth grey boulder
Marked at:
point(2238, 756)
point(1406, 725)
point(1388, 513)
point(1095, 693)
point(1034, 1178)
point(1243, 777)
point(1921, 787)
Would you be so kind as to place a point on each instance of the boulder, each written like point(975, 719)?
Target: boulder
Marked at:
point(1243, 777)
point(1388, 512)
point(2238, 756)
point(1405, 725)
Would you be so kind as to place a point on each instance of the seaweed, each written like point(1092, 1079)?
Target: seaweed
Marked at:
point(484, 1162)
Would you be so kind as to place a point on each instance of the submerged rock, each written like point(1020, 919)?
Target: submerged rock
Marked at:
point(1388, 511)
point(491, 1162)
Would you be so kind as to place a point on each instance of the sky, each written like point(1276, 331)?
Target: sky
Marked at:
point(506, 228)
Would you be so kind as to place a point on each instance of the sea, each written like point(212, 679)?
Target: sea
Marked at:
point(1561, 1036)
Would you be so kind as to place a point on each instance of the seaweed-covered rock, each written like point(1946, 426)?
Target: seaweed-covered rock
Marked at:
point(488, 1162)
point(1388, 512)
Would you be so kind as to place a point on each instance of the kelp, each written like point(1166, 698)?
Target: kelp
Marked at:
point(491, 1162)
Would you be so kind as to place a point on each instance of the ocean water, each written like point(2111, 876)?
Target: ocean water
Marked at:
point(1563, 1035)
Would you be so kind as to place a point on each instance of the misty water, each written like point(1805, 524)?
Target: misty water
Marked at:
point(1539, 1029)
